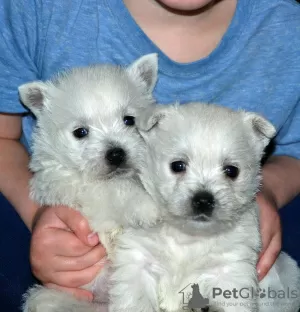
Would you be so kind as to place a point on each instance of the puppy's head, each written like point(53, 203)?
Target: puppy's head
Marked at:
point(86, 118)
point(204, 162)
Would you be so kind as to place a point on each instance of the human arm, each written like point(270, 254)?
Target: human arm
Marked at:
point(281, 176)
point(14, 168)
point(281, 183)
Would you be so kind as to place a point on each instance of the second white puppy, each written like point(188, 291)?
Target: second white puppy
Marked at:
point(204, 172)
point(87, 153)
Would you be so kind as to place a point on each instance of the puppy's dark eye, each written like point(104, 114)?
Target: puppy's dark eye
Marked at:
point(178, 166)
point(129, 120)
point(231, 171)
point(80, 133)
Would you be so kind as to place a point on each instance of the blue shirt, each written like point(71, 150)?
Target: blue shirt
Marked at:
point(255, 67)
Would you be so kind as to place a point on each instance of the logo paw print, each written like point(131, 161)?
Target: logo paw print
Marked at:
point(261, 293)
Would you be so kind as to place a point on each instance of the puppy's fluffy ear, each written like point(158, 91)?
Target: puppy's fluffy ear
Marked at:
point(144, 71)
point(262, 129)
point(33, 96)
point(150, 118)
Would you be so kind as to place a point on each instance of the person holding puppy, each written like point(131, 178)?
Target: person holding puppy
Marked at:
point(237, 53)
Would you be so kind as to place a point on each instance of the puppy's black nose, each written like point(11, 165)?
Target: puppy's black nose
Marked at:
point(203, 203)
point(115, 156)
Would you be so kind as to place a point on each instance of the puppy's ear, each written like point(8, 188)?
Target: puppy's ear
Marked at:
point(33, 95)
point(150, 118)
point(144, 71)
point(262, 129)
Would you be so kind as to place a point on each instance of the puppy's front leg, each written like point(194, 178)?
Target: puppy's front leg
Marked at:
point(144, 212)
point(132, 290)
point(42, 299)
point(133, 285)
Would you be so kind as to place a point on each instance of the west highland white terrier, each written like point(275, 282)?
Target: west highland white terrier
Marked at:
point(204, 173)
point(87, 154)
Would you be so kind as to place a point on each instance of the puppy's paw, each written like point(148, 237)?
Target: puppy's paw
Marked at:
point(34, 297)
point(42, 299)
point(169, 300)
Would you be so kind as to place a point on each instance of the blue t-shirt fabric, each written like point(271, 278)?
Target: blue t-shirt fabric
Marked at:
point(256, 65)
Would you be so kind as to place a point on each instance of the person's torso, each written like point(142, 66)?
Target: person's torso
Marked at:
point(255, 67)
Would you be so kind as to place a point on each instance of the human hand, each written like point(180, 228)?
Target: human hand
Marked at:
point(64, 253)
point(270, 228)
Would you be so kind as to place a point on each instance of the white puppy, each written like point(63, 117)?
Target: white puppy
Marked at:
point(204, 172)
point(87, 153)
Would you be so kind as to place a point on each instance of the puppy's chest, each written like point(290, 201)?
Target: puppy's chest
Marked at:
point(186, 257)
point(172, 259)
point(201, 261)
point(185, 263)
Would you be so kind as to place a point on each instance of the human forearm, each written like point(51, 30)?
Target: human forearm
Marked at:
point(281, 178)
point(14, 178)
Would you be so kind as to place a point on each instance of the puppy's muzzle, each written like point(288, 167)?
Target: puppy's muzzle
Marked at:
point(203, 205)
point(115, 156)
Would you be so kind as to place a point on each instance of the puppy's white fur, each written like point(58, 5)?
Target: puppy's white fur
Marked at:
point(75, 171)
point(218, 251)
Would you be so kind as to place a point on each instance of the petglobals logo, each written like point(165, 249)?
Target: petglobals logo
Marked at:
point(248, 293)
point(192, 298)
